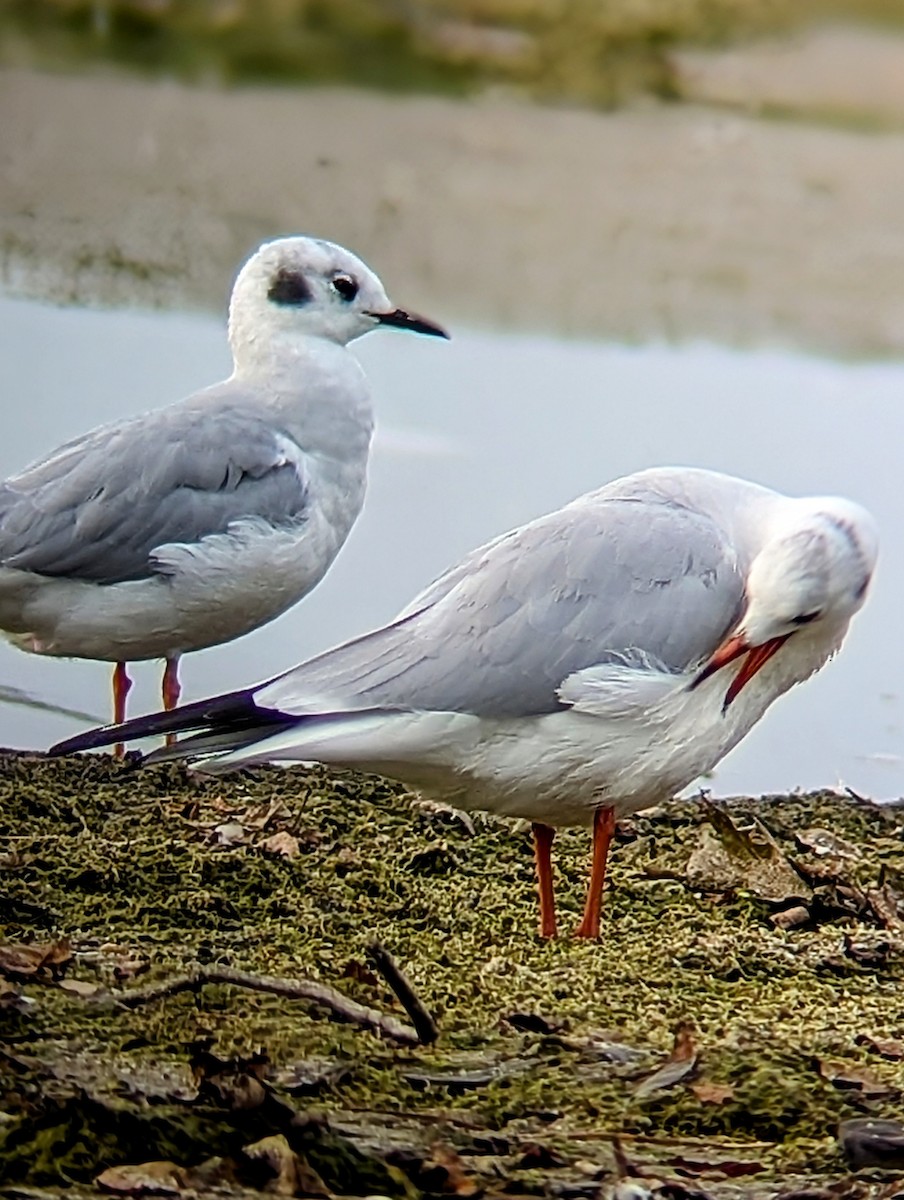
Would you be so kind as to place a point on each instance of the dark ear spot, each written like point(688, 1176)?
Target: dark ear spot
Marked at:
point(289, 287)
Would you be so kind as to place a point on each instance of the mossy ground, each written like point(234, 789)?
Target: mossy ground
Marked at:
point(157, 868)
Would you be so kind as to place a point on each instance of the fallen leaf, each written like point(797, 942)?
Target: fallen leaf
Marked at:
point(680, 1064)
point(238, 1084)
point(230, 833)
point(79, 987)
point(885, 903)
point(260, 817)
point(443, 1172)
point(729, 858)
point(868, 953)
point(311, 1075)
point(128, 967)
point(790, 918)
point(282, 844)
point(35, 962)
point(290, 1173)
point(534, 1155)
point(354, 969)
point(715, 1163)
point(146, 1179)
point(712, 1093)
point(826, 844)
point(851, 1077)
point(888, 1047)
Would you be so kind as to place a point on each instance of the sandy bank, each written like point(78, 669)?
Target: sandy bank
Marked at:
point(677, 222)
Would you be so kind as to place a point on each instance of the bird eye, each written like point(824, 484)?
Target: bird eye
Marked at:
point(345, 286)
point(805, 618)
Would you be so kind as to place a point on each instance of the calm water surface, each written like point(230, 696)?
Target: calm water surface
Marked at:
point(482, 434)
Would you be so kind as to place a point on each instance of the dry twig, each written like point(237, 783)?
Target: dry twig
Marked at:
point(293, 989)
point(423, 1022)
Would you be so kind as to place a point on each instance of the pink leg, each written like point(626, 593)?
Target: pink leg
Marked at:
point(543, 836)
point(122, 685)
point(171, 690)
point(603, 828)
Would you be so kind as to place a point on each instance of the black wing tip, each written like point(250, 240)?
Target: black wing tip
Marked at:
point(232, 706)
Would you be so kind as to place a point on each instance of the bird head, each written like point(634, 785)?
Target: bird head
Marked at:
point(300, 286)
point(807, 581)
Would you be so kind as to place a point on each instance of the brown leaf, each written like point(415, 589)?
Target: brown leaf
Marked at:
point(790, 918)
point(885, 902)
point(128, 967)
point(79, 987)
point(729, 858)
point(826, 844)
point(712, 1093)
point(230, 833)
point(146, 1179)
point(281, 843)
point(888, 1047)
point(443, 1172)
point(536, 1155)
point(238, 1084)
point(35, 962)
point(851, 1077)
point(715, 1163)
point(681, 1063)
point(356, 970)
point(868, 952)
point(260, 817)
point(290, 1173)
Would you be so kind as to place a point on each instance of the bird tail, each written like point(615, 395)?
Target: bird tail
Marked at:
point(230, 721)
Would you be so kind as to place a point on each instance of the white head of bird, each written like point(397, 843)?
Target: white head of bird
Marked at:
point(814, 572)
point(805, 584)
point(296, 288)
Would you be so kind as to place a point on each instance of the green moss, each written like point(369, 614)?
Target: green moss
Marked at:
point(155, 867)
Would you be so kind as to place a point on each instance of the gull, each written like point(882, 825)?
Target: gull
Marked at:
point(191, 525)
point(588, 664)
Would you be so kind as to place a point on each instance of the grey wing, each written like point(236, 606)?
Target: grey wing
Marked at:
point(98, 507)
point(587, 585)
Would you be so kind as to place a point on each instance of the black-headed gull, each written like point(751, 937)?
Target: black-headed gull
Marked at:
point(590, 663)
point(193, 524)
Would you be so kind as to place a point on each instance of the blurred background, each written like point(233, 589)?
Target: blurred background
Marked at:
point(661, 231)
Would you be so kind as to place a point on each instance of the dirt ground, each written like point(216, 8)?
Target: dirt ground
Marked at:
point(744, 999)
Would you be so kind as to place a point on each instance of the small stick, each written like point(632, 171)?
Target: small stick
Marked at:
point(423, 1022)
point(293, 989)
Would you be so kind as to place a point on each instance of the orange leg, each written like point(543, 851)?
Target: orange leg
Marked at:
point(171, 690)
point(543, 835)
point(122, 685)
point(603, 828)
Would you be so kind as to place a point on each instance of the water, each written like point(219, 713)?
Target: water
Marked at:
point(482, 434)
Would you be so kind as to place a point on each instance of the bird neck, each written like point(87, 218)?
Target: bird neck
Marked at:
point(314, 389)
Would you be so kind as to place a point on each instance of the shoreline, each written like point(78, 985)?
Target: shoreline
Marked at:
point(494, 213)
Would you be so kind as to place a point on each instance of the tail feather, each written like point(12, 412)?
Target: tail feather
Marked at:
point(234, 712)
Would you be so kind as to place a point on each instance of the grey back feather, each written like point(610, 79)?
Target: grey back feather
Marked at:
point(98, 507)
point(499, 632)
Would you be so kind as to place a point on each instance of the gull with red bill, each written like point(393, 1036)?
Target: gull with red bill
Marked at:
point(191, 525)
point(588, 664)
